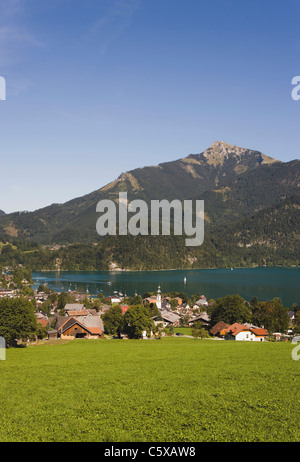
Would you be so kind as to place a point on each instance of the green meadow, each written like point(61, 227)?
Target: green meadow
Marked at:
point(171, 390)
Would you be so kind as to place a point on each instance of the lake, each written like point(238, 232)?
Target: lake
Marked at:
point(264, 283)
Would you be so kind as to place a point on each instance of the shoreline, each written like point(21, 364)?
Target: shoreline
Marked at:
point(166, 269)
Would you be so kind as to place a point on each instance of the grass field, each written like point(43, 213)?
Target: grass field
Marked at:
point(174, 390)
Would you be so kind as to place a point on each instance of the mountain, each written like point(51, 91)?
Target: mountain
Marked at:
point(243, 190)
point(2, 213)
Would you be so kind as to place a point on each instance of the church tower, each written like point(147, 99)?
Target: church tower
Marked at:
point(158, 298)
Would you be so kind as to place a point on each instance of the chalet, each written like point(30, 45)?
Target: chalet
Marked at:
point(73, 328)
point(82, 326)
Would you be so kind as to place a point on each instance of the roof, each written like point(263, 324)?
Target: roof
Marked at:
point(60, 320)
point(236, 328)
point(202, 316)
point(124, 308)
point(74, 307)
point(92, 321)
point(71, 321)
point(218, 327)
point(170, 317)
point(78, 313)
point(95, 330)
point(259, 332)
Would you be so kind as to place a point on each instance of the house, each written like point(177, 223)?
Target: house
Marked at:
point(202, 301)
point(52, 334)
point(43, 321)
point(218, 329)
point(165, 304)
point(260, 334)
point(74, 307)
point(179, 300)
point(239, 331)
point(83, 326)
point(150, 300)
point(73, 328)
point(203, 317)
point(75, 313)
point(170, 318)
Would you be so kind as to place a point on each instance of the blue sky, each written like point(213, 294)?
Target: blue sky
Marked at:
point(99, 87)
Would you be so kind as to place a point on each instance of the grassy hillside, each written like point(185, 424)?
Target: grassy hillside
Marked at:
point(174, 390)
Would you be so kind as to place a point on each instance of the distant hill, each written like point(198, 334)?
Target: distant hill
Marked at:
point(2, 213)
point(247, 195)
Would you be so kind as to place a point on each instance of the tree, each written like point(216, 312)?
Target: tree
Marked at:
point(113, 320)
point(230, 309)
point(272, 315)
point(64, 298)
point(198, 330)
point(136, 321)
point(17, 319)
point(41, 331)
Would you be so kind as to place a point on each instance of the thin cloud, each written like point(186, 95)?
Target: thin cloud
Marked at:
point(14, 35)
point(109, 27)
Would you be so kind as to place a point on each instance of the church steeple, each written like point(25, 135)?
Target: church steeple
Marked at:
point(158, 298)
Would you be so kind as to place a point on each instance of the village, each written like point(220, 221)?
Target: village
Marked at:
point(75, 315)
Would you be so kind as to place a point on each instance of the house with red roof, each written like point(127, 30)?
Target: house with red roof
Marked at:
point(239, 331)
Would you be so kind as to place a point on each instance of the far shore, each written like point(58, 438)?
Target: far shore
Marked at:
point(120, 270)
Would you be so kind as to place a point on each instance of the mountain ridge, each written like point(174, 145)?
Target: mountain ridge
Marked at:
point(235, 183)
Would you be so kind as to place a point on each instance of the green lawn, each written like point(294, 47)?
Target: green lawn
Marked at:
point(174, 389)
point(183, 330)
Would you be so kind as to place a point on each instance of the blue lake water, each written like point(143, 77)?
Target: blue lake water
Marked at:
point(264, 283)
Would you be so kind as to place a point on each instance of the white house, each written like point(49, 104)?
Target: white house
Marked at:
point(241, 332)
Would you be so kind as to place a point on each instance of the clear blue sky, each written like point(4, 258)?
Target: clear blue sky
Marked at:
point(99, 87)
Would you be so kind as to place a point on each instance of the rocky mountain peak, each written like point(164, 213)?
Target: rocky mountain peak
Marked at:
point(220, 151)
